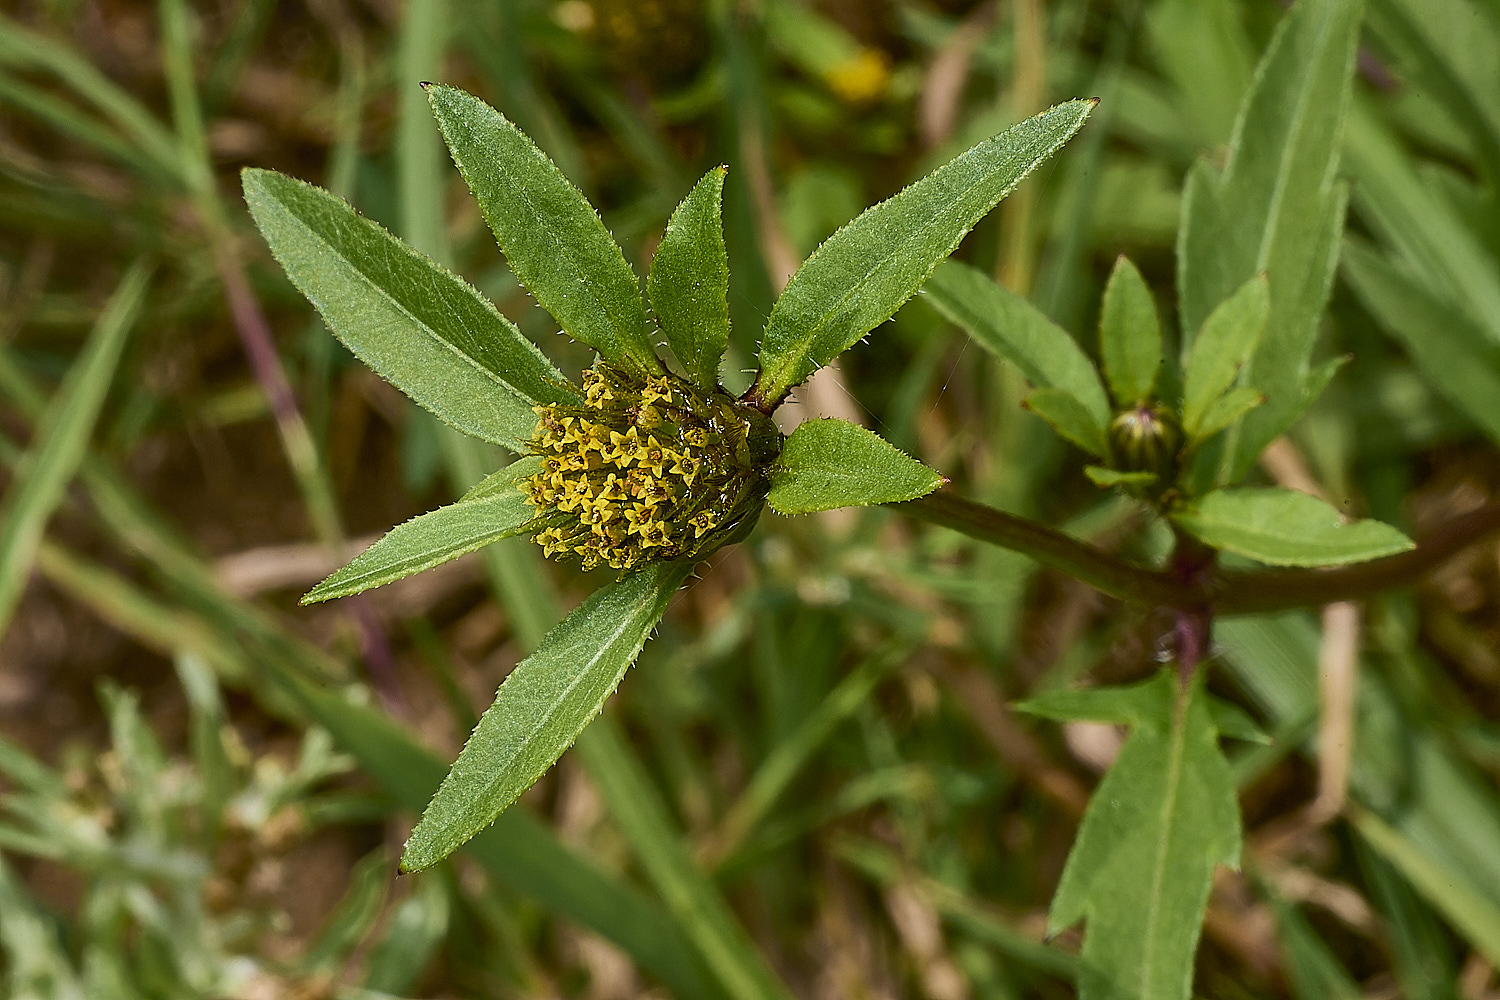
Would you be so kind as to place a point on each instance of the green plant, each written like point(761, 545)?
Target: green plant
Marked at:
point(824, 722)
point(648, 470)
point(641, 469)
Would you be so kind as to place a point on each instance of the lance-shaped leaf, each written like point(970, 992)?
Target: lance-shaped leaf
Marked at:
point(493, 510)
point(831, 463)
point(1070, 418)
point(1011, 328)
point(1222, 347)
point(541, 708)
point(415, 323)
point(1286, 528)
point(1142, 866)
point(554, 241)
point(1129, 335)
point(863, 273)
point(689, 282)
point(1277, 207)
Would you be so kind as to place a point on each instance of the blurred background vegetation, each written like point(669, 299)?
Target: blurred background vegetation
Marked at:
point(812, 782)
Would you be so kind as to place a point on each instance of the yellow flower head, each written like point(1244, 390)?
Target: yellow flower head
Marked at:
point(646, 470)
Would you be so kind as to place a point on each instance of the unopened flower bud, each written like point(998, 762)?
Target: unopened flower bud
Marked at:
point(1145, 438)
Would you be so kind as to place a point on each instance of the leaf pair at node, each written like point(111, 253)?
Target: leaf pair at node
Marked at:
point(1173, 451)
point(640, 468)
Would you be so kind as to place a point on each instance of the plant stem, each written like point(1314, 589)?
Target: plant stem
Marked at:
point(1192, 586)
point(1099, 569)
point(1278, 590)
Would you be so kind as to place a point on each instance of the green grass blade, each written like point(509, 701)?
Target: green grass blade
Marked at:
point(638, 810)
point(1314, 972)
point(1418, 36)
point(420, 171)
point(414, 322)
point(541, 707)
point(1276, 208)
point(830, 463)
point(354, 915)
point(554, 241)
point(62, 439)
point(23, 48)
point(499, 510)
point(1403, 769)
point(1286, 528)
point(863, 273)
point(1009, 327)
point(416, 931)
point(69, 121)
point(37, 964)
point(1448, 348)
point(1129, 335)
point(879, 863)
point(689, 282)
point(517, 849)
point(787, 758)
point(1407, 212)
point(1465, 905)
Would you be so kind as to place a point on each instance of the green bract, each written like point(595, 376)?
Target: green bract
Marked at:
point(642, 469)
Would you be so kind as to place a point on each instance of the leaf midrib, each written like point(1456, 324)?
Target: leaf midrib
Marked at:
point(456, 541)
point(562, 247)
point(1169, 807)
point(427, 328)
point(541, 721)
point(803, 345)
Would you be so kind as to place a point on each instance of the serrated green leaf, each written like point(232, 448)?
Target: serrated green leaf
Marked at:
point(541, 708)
point(1129, 335)
point(1286, 528)
point(1011, 328)
point(1142, 866)
point(1070, 418)
point(493, 510)
point(1101, 476)
point(1448, 348)
point(689, 282)
point(1227, 409)
point(1276, 208)
point(554, 241)
point(1226, 342)
point(830, 463)
point(62, 438)
point(863, 273)
point(415, 323)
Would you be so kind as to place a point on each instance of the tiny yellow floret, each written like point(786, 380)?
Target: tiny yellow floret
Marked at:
point(647, 470)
